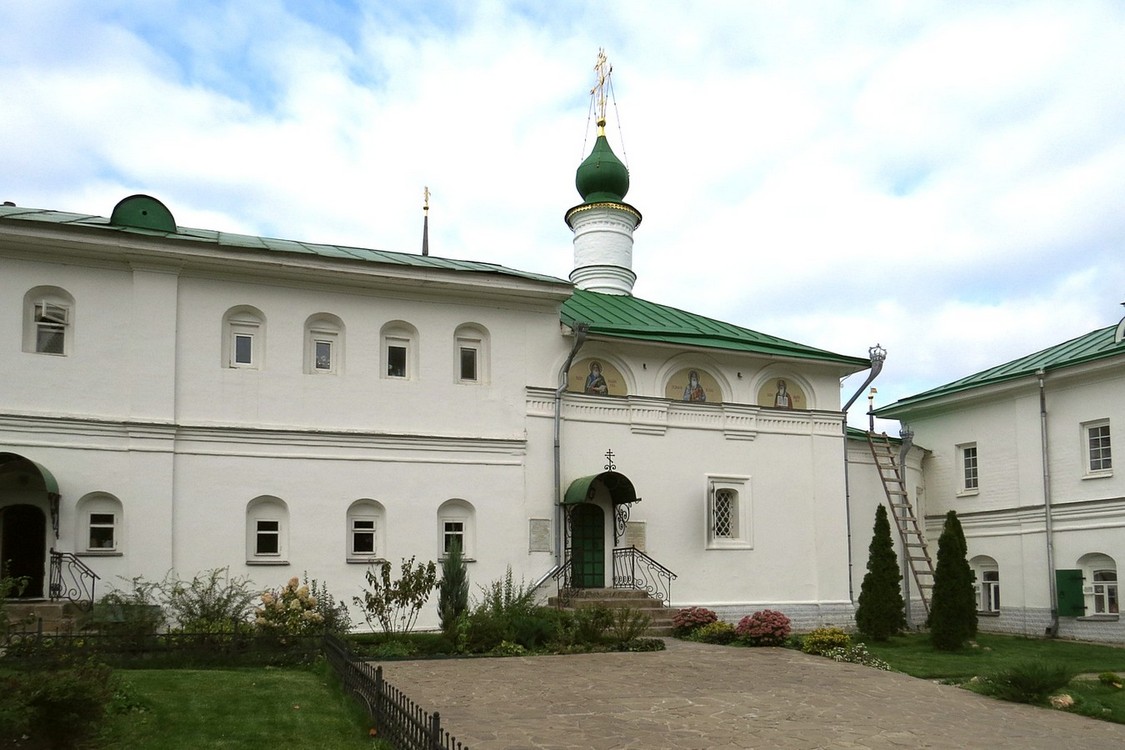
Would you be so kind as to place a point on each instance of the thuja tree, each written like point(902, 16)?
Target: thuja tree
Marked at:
point(395, 604)
point(953, 609)
point(881, 612)
point(453, 591)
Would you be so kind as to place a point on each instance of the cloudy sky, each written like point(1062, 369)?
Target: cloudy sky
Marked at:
point(943, 178)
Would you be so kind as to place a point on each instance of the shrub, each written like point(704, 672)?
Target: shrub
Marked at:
point(765, 628)
point(1111, 679)
point(10, 586)
point(953, 609)
point(211, 602)
point(453, 591)
point(1029, 682)
point(857, 654)
point(628, 624)
point(135, 613)
point(691, 618)
point(718, 632)
point(335, 617)
point(643, 644)
point(503, 596)
point(881, 611)
point(822, 640)
point(60, 708)
point(289, 611)
point(591, 623)
point(395, 605)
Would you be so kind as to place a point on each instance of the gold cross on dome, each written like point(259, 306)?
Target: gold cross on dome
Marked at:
point(602, 71)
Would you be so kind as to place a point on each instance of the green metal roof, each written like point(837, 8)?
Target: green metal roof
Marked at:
point(1092, 346)
point(229, 240)
point(627, 317)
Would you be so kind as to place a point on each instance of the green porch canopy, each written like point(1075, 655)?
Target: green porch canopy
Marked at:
point(621, 490)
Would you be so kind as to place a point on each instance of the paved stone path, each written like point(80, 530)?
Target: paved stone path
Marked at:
point(714, 697)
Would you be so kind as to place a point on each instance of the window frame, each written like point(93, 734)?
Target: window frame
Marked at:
point(370, 511)
point(39, 303)
point(399, 334)
point(244, 322)
point(729, 495)
point(470, 337)
point(457, 511)
point(267, 509)
point(968, 466)
point(1106, 592)
point(1102, 465)
point(93, 523)
point(324, 329)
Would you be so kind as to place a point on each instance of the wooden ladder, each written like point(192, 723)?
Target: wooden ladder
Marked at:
point(909, 531)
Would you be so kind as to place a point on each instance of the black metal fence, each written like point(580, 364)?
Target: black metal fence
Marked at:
point(396, 718)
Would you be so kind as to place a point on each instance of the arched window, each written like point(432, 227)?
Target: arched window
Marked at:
point(324, 344)
point(267, 531)
point(366, 531)
point(48, 320)
point(1099, 573)
point(457, 525)
point(399, 341)
point(470, 352)
point(100, 524)
point(987, 585)
point(244, 338)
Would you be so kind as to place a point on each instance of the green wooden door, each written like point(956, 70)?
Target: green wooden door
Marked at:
point(587, 553)
point(1068, 584)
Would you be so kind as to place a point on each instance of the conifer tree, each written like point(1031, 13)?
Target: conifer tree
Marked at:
point(453, 591)
point(881, 612)
point(953, 609)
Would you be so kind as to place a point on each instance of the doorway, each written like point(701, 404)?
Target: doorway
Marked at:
point(23, 546)
point(587, 547)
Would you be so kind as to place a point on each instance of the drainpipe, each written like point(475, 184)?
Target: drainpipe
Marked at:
point(878, 354)
point(580, 332)
point(1053, 628)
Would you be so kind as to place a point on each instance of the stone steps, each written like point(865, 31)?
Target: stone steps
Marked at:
point(42, 616)
point(660, 615)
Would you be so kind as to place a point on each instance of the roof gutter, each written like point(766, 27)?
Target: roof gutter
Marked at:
point(1053, 628)
point(878, 355)
point(581, 330)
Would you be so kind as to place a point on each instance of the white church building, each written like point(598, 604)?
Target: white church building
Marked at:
point(180, 399)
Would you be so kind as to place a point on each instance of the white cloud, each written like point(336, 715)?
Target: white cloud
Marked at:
point(942, 178)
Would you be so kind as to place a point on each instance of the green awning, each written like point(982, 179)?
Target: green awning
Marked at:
point(621, 490)
point(49, 480)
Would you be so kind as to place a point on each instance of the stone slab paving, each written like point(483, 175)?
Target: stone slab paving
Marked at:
point(702, 697)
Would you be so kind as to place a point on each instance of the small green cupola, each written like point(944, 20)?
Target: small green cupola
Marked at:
point(602, 176)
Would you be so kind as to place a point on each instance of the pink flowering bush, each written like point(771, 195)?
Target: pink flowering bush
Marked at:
point(690, 619)
point(765, 628)
point(290, 611)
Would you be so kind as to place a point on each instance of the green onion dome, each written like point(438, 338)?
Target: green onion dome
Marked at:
point(602, 176)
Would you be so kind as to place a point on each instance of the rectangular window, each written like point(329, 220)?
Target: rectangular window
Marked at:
point(267, 538)
point(468, 363)
point(396, 360)
point(1098, 444)
point(50, 328)
point(728, 513)
point(101, 531)
point(990, 591)
point(724, 518)
point(453, 533)
point(969, 480)
point(243, 350)
point(322, 355)
point(363, 536)
point(1105, 592)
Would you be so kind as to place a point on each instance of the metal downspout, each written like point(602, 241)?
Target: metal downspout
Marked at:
point(580, 332)
point(1053, 628)
point(878, 355)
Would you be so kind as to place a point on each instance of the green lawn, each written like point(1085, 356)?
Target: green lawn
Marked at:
point(992, 653)
point(196, 709)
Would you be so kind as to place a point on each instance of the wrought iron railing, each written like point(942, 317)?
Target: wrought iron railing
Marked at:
point(561, 576)
point(633, 569)
point(71, 579)
point(396, 719)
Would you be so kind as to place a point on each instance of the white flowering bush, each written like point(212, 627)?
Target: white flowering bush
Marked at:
point(290, 611)
point(857, 653)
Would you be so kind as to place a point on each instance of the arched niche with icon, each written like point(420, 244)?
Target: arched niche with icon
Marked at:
point(693, 384)
point(782, 393)
point(596, 377)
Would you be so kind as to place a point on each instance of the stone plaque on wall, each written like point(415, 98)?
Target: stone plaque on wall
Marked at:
point(635, 535)
point(539, 535)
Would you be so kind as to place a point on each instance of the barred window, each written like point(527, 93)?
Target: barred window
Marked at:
point(723, 516)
